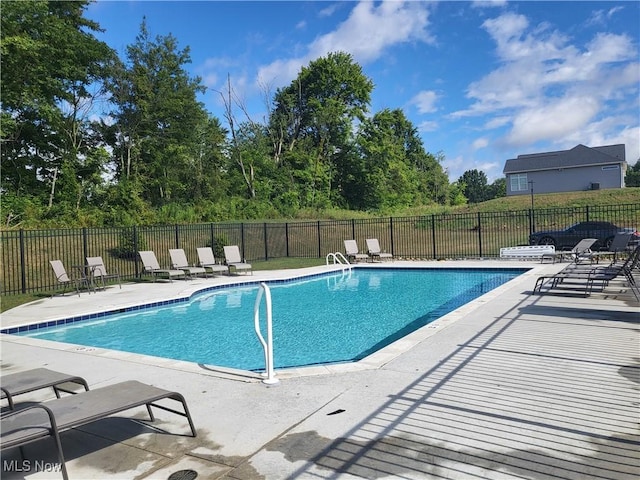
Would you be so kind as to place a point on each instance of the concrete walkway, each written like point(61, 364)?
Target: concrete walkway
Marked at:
point(510, 386)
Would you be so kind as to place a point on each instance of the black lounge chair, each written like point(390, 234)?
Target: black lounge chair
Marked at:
point(37, 379)
point(23, 426)
point(583, 278)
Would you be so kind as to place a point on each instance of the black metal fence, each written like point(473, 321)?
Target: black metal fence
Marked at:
point(26, 253)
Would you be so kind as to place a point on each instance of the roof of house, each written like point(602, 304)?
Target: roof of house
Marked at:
point(578, 156)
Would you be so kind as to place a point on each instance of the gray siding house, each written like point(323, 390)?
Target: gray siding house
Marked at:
point(581, 168)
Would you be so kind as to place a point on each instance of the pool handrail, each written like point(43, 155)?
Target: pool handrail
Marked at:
point(338, 258)
point(268, 344)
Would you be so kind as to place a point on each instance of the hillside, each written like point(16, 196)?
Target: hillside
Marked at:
point(622, 196)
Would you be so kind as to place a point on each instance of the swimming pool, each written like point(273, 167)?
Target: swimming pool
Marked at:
point(330, 318)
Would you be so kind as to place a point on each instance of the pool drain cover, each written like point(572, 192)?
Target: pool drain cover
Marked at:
point(183, 475)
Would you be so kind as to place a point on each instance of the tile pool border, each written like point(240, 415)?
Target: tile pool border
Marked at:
point(373, 361)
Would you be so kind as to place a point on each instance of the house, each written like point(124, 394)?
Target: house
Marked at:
point(581, 168)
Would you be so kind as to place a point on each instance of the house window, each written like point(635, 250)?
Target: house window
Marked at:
point(519, 182)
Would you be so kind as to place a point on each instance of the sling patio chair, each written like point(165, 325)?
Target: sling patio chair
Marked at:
point(352, 252)
point(618, 245)
point(151, 265)
point(373, 248)
point(234, 261)
point(179, 261)
point(37, 379)
point(208, 261)
point(583, 278)
point(49, 419)
point(581, 251)
point(98, 272)
point(63, 277)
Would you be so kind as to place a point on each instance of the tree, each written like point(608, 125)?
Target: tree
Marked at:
point(632, 177)
point(389, 167)
point(475, 186)
point(312, 121)
point(159, 119)
point(50, 62)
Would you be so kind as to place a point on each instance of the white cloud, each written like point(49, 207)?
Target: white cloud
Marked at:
point(428, 126)
point(425, 101)
point(488, 3)
point(553, 121)
point(550, 88)
point(600, 17)
point(366, 34)
point(479, 143)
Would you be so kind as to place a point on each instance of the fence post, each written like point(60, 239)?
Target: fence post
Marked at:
point(433, 234)
point(319, 242)
point(353, 228)
point(266, 248)
point(23, 273)
point(177, 234)
point(391, 234)
point(286, 237)
point(242, 239)
point(479, 235)
point(136, 249)
point(84, 245)
point(587, 208)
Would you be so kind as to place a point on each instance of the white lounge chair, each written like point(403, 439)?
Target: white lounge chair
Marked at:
point(235, 261)
point(208, 261)
point(373, 247)
point(352, 252)
point(98, 271)
point(179, 261)
point(151, 265)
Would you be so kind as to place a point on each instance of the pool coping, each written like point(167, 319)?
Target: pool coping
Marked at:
point(373, 361)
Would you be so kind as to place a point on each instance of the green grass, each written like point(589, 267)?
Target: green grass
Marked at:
point(8, 302)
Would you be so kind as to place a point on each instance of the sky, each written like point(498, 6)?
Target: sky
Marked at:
point(481, 81)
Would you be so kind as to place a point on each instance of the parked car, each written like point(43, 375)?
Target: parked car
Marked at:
point(568, 238)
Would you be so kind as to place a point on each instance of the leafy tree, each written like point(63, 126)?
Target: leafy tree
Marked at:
point(632, 177)
point(159, 119)
point(50, 61)
point(311, 124)
point(390, 168)
point(475, 186)
point(498, 188)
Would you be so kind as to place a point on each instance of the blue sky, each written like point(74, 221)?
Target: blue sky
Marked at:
point(482, 81)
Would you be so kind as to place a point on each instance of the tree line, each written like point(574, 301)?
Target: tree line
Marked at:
point(92, 139)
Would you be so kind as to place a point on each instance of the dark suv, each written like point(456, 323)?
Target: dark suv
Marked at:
point(568, 238)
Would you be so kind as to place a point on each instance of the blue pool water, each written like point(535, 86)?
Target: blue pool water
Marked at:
point(322, 319)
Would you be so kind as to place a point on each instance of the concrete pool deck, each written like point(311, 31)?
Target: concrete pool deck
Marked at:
point(511, 385)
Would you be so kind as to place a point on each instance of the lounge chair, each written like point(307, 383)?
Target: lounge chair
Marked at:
point(618, 244)
point(179, 262)
point(27, 425)
point(99, 272)
point(151, 265)
point(63, 278)
point(352, 252)
point(37, 379)
point(373, 248)
point(208, 261)
point(584, 277)
point(581, 251)
point(234, 261)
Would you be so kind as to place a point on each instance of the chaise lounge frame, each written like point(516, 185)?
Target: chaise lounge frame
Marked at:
point(24, 426)
point(37, 379)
